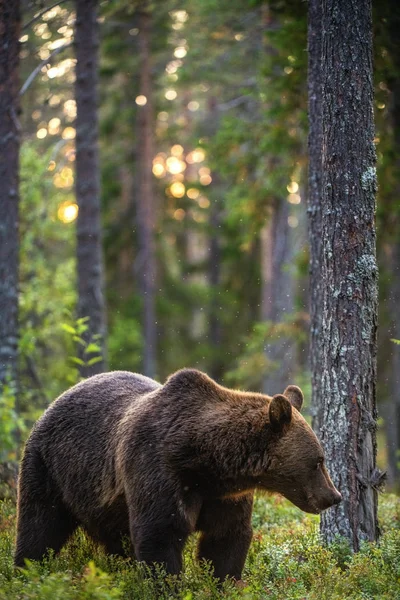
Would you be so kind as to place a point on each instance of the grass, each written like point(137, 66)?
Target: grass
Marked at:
point(286, 562)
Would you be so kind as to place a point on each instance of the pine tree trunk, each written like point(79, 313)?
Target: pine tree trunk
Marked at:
point(89, 238)
point(9, 184)
point(343, 259)
point(277, 295)
point(392, 408)
point(214, 256)
point(392, 420)
point(314, 186)
point(146, 261)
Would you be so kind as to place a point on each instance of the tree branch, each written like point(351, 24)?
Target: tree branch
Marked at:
point(44, 62)
point(42, 12)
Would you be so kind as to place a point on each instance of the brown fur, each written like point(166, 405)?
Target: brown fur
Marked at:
point(121, 455)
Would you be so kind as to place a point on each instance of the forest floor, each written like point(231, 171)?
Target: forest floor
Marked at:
point(286, 562)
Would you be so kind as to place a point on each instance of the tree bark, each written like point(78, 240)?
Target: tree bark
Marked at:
point(9, 186)
point(214, 256)
point(392, 420)
point(392, 408)
point(314, 189)
point(343, 263)
point(145, 203)
point(89, 238)
point(277, 295)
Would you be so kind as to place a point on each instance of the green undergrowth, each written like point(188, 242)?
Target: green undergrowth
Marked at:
point(286, 562)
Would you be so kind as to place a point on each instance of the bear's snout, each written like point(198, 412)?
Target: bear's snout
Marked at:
point(337, 497)
point(332, 499)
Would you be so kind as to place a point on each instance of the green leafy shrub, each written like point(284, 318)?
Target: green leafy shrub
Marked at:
point(286, 561)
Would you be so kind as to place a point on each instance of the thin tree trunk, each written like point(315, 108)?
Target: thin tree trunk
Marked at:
point(214, 279)
point(146, 261)
point(392, 406)
point(277, 295)
point(9, 186)
point(214, 257)
point(89, 239)
point(343, 263)
point(314, 191)
point(392, 420)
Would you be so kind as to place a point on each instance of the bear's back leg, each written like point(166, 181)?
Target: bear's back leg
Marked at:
point(43, 521)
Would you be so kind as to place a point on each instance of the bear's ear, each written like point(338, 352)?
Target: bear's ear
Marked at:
point(295, 396)
point(280, 413)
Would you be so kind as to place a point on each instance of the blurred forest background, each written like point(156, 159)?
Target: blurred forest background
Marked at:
point(196, 162)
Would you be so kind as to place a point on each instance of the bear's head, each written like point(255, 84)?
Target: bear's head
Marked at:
point(297, 467)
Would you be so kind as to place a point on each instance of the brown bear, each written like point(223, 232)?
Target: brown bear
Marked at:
point(121, 455)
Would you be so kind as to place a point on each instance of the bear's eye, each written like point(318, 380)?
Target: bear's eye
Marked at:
point(320, 462)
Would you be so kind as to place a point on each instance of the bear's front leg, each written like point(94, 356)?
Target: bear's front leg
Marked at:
point(226, 535)
point(158, 537)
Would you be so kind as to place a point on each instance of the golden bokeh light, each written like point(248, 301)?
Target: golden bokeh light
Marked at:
point(54, 100)
point(192, 193)
point(203, 202)
point(293, 221)
point(179, 214)
point(180, 52)
point(41, 133)
point(57, 43)
point(52, 166)
point(177, 150)
point(170, 94)
point(69, 133)
point(162, 116)
point(69, 108)
point(177, 189)
point(53, 72)
point(67, 212)
point(50, 14)
point(64, 178)
point(44, 54)
point(292, 187)
point(141, 100)
point(54, 126)
point(193, 106)
point(181, 16)
point(294, 198)
point(199, 217)
point(205, 179)
point(175, 165)
point(159, 170)
point(173, 66)
point(71, 155)
point(196, 156)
